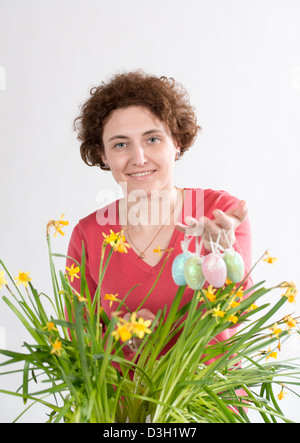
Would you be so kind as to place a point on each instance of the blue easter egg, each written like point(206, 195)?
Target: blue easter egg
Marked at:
point(178, 267)
point(235, 265)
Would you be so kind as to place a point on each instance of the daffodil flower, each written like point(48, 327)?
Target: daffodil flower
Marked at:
point(271, 354)
point(50, 326)
point(116, 241)
point(122, 332)
point(290, 322)
point(2, 280)
point(23, 278)
point(58, 225)
point(121, 245)
point(282, 394)
point(72, 272)
point(210, 293)
point(276, 330)
point(291, 292)
point(218, 313)
point(270, 259)
point(233, 318)
point(56, 347)
point(140, 327)
point(112, 298)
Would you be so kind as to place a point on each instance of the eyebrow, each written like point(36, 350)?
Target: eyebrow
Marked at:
point(124, 137)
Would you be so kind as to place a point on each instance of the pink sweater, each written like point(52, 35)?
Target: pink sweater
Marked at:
point(126, 270)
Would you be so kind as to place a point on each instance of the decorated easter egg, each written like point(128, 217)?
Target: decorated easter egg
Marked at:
point(214, 270)
point(178, 268)
point(193, 272)
point(235, 265)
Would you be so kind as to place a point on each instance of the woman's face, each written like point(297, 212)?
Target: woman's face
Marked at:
point(139, 149)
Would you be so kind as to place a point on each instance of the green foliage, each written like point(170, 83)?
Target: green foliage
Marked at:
point(86, 378)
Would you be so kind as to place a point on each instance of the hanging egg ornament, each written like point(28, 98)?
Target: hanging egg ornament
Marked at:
point(235, 265)
point(214, 270)
point(193, 272)
point(178, 268)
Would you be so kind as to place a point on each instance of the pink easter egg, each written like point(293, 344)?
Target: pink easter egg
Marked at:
point(214, 270)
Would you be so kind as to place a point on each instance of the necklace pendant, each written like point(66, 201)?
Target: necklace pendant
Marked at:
point(142, 256)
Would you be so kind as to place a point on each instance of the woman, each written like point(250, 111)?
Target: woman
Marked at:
point(137, 126)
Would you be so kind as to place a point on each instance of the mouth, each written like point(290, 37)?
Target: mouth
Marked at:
point(142, 174)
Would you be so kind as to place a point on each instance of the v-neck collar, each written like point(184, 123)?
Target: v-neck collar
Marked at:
point(133, 256)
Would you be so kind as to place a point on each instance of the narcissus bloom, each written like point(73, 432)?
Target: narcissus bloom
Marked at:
point(210, 293)
point(50, 327)
point(2, 279)
point(270, 259)
point(117, 241)
point(57, 347)
point(23, 278)
point(72, 272)
point(276, 330)
point(291, 292)
point(140, 327)
point(123, 332)
point(112, 298)
point(218, 313)
point(271, 354)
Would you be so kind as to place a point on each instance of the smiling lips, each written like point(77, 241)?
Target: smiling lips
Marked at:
point(141, 174)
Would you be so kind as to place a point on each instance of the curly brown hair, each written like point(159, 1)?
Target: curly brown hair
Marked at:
point(164, 97)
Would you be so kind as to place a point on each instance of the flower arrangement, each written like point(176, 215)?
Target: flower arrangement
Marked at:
point(77, 351)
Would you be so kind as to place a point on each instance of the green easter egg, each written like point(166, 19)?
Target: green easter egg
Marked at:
point(193, 273)
point(235, 266)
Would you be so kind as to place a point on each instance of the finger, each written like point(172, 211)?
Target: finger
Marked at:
point(240, 213)
point(224, 221)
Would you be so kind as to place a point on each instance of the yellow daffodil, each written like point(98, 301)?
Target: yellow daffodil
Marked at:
point(122, 332)
point(2, 280)
point(282, 394)
point(158, 250)
point(270, 259)
point(218, 313)
point(252, 308)
point(111, 238)
point(112, 298)
point(23, 278)
point(290, 322)
point(50, 327)
point(57, 225)
point(291, 292)
point(140, 327)
point(72, 272)
point(233, 318)
point(210, 293)
point(121, 245)
point(233, 304)
point(275, 330)
point(56, 347)
point(271, 354)
point(240, 293)
point(117, 241)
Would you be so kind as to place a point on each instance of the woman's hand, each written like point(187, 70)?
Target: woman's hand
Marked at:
point(211, 229)
point(145, 314)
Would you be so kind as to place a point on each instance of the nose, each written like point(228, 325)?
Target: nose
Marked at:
point(138, 156)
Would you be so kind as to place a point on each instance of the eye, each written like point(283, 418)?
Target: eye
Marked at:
point(120, 145)
point(153, 140)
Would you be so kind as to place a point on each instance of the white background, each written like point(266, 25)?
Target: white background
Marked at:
point(240, 62)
